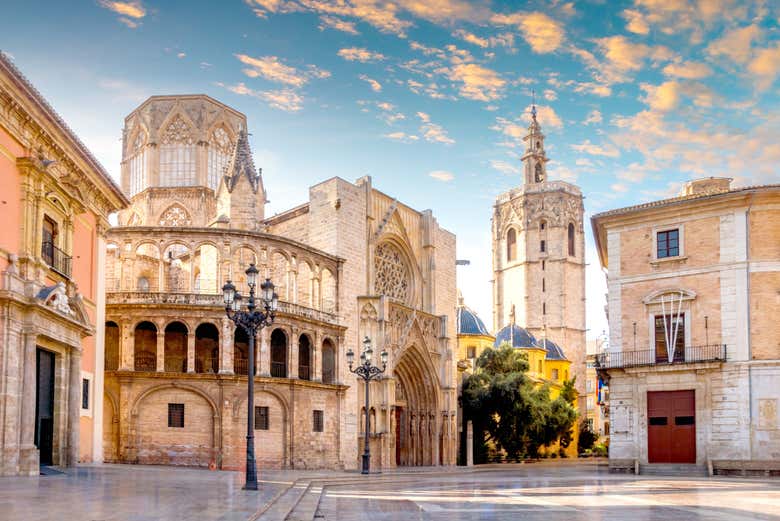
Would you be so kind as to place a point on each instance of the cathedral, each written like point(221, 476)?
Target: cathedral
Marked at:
point(539, 262)
point(351, 262)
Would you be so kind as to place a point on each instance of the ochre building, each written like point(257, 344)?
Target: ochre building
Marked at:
point(694, 337)
point(55, 203)
point(351, 262)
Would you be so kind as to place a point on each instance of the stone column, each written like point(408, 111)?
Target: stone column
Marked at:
point(74, 407)
point(316, 357)
point(126, 348)
point(29, 455)
point(292, 364)
point(226, 347)
point(264, 354)
point(469, 444)
point(190, 352)
point(160, 350)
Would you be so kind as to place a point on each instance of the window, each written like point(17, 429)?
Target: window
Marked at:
point(668, 244)
point(220, 151)
point(590, 403)
point(50, 232)
point(538, 175)
point(176, 415)
point(554, 374)
point(590, 424)
point(138, 165)
point(318, 421)
point(589, 386)
point(571, 239)
point(261, 418)
point(177, 155)
point(544, 308)
point(85, 393)
point(471, 352)
point(143, 284)
point(542, 265)
point(669, 330)
point(542, 225)
point(511, 245)
point(542, 246)
point(543, 286)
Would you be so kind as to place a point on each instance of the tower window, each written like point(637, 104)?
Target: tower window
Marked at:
point(511, 245)
point(544, 308)
point(543, 285)
point(571, 239)
point(542, 265)
point(542, 225)
point(542, 246)
point(538, 176)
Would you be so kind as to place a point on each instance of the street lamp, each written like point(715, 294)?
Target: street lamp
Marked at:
point(367, 372)
point(251, 321)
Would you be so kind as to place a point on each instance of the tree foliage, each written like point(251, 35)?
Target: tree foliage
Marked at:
point(517, 415)
point(587, 437)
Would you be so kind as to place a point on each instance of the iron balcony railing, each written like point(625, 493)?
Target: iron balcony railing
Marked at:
point(56, 258)
point(304, 372)
point(687, 355)
point(278, 369)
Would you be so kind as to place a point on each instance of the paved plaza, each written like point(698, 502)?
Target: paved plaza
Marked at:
point(545, 491)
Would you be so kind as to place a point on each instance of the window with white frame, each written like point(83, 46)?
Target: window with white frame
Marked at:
point(667, 243)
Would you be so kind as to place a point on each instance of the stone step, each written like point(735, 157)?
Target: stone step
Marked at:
point(281, 506)
point(673, 469)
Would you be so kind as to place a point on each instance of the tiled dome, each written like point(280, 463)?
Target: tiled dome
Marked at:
point(516, 335)
point(469, 323)
point(554, 351)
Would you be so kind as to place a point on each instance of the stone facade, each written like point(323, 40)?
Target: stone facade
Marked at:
point(350, 263)
point(56, 202)
point(539, 257)
point(719, 282)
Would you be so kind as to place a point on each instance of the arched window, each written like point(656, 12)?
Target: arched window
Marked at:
point(145, 348)
point(206, 348)
point(571, 239)
point(112, 346)
point(176, 348)
point(542, 225)
point(328, 362)
point(511, 245)
point(538, 175)
point(240, 351)
point(138, 164)
point(278, 354)
point(220, 151)
point(304, 358)
point(177, 155)
point(143, 284)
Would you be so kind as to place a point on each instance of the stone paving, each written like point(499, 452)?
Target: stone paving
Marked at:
point(550, 491)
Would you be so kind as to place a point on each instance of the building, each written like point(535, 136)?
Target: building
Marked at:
point(351, 262)
point(596, 393)
point(694, 352)
point(473, 338)
point(55, 206)
point(539, 257)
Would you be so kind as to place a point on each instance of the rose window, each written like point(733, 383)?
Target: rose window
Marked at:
point(391, 273)
point(175, 216)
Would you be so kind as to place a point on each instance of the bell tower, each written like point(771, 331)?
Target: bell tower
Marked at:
point(534, 157)
point(538, 256)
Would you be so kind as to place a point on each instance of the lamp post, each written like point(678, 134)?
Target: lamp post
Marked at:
point(367, 372)
point(251, 320)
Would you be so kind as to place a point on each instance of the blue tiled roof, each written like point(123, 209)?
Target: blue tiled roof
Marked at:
point(469, 323)
point(520, 338)
point(515, 334)
point(554, 351)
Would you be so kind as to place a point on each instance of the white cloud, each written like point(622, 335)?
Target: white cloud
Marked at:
point(765, 67)
point(546, 116)
point(504, 167)
point(543, 33)
point(287, 100)
point(550, 95)
point(375, 85)
point(735, 44)
point(594, 117)
point(360, 54)
point(688, 70)
point(433, 132)
point(442, 175)
point(271, 68)
point(401, 136)
point(332, 22)
point(130, 13)
point(607, 150)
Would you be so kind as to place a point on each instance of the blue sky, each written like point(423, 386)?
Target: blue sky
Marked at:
point(430, 97)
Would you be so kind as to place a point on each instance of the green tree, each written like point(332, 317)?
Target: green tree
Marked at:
point(515, 414)
point(587, 437)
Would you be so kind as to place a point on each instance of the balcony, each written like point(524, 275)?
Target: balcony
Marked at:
point(687, 355)
point(56, 259)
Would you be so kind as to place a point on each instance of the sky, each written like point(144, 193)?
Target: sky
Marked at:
point(432, 97)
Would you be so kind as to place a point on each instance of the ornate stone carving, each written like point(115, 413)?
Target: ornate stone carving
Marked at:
point(175, 216)
point(177, 131)
point(391, 273)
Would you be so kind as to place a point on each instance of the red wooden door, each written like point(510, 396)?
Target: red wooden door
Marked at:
point(671, 427)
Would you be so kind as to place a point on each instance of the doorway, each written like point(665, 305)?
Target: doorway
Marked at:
point(44, 405)
point(671, 427)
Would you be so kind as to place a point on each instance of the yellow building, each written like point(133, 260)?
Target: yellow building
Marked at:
point(547, 364)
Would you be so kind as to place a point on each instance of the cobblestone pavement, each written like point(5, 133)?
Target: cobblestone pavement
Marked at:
point(552, 492)
point(569, 491)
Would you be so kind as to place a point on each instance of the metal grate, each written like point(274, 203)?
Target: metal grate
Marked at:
point(56, 258)
point(318, 421)
point(176, 415)
point(261, 418)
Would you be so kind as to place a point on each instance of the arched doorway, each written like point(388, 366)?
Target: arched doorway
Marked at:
point(416, 425)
